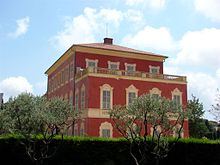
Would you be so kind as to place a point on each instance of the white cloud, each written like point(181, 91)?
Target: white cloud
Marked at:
point(200, 48)
point(204, 87)
point(13, 86)
point(154, 4)
point(210, 8)
point(150, 37)
point(218, 73)
point(134, 16)
point(85, 27)
point(22, 27)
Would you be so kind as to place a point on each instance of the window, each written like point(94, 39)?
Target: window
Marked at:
point(113, 65)
point(106, 99)
point(154, 69)
point(83, 97)
point(106, 96)
point(82, 131)
point(91, 63)
point(71, 99)
point(131, 97)
point(106, 133)
point(106, 130)
point(62, 77)
point(67, 73)
point(75, 130)
point(155, 96)
point(71, 71)
point(155, 93)
point(130, 68)
point(77, 100)
point(131, 94)
point(177, 97)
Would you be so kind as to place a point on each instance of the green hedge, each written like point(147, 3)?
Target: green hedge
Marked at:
point(100, 151)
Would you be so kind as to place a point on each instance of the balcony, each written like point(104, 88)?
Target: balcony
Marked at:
point(123, 73)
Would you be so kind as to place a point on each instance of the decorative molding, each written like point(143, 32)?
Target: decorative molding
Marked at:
point(155, 91)
point(131, 88)
point(106, 125)
point(106, 87)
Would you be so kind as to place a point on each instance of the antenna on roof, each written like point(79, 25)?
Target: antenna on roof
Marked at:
point(106, 30)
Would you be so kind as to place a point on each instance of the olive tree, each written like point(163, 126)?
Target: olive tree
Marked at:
point(33, 117)
point(147, 123)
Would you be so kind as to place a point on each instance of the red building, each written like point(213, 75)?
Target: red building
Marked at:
point(94, 77)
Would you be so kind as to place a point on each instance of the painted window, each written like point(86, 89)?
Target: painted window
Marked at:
point(106, 130)
point(106, 96)
point(83, 97)
point(62, 77)
point(106, 99)
point(67, 73)
point(71, 99)
point(77, 99)
point(106, 133)
point(76, 130)
point(130, 68)
point(113, 65)
point(82, 130)
point(154, 69)
point(131, 94)
point(155, 93)
point(131, 97)
point(71, 71)
point(91, 63)
point(177, 97)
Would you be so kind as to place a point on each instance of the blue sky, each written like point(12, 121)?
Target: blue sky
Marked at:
point(33, 34)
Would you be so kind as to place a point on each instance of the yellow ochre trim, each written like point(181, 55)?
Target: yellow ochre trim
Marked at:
point(134, 78)
point(118, 53)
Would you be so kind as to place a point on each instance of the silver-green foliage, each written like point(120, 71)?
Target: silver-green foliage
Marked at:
point(30, 116)
point(133, 122)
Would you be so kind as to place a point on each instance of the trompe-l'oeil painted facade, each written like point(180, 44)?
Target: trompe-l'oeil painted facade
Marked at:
point(94, 77)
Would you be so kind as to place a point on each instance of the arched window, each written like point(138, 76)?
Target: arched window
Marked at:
point(131, 94)
point(106, 130)
point(177, 97)
point(155, 92)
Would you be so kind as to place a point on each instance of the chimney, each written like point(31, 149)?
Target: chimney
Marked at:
point(108, 41)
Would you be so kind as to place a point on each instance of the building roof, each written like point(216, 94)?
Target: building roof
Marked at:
point(117, 48)
point(108, 45)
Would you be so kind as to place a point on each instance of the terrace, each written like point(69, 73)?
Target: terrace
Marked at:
point(125, 74)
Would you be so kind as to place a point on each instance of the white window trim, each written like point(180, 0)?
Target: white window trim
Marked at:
point(90, 60)
point(154, 67)
point(82, 129)
point(71, 71)
point(76, 93)
point(106, 125)
point(82, 90)
point(131, 88)
point(177, 92)
point(126, 65)
point(106, 87)
point(155, 91)
point(113, 63)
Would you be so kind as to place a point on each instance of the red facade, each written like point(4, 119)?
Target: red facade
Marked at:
point(94, 77)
